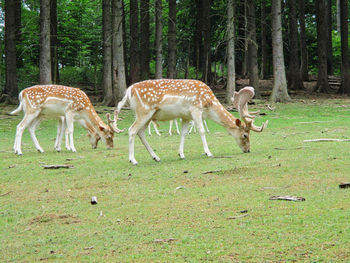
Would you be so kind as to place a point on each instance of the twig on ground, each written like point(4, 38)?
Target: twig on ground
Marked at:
point(211, 172)
point(235, 217)
point(6, 193)
point(308, 122)
point(58, 166)
point(287, 198)
point(164, 240)
point(292, 148)
point(223, 157)
point(327, 140)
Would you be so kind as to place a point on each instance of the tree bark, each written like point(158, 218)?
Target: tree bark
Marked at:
point(171, 73)
point(303, 48)
point(45, 56)
point(264, 55)
point(329, 38)
point(134, 42)
point(118, 63)
point(279, 91)
point(18, 21)
point(231, 74)
point(252, 49)
point(145, 39)
point(321, 19)
point(345, 71)
point(198, 38)
point(108, 98)
point(294, 77)
point(11, 86)
point(245, 66)
point(206, 72)
point(159, 28)
point(54, 42)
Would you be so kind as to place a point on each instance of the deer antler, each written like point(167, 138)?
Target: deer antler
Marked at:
point(113, 123)
point(240, 102)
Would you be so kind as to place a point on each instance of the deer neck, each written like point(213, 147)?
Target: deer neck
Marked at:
point(221, 116)
point(94, 120)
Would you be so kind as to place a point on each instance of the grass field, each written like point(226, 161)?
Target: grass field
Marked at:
point(173, 211)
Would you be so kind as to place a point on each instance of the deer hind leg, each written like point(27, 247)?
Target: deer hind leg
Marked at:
point(60, 129)
point(142, 136)
point(177, 127)
point(206, 126)
point(184, 131)
point(26, 121)
point(31, 128)
point(139, 123)
point(198, 121)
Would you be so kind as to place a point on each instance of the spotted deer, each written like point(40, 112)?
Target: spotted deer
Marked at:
point(168, 99)
point(45, 101)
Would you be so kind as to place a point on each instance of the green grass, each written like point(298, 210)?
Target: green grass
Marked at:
point(46, 214)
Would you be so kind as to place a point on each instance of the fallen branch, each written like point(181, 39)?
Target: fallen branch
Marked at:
point(308, 122)
point(6, 193)
point(164, 240)
point(211, 172)
point(270, 107)
point(235, 217)
point(344, 185)
point(292, 148)
point(58, 166)
point(327, 140)
point(223, 157)
point(287, 198)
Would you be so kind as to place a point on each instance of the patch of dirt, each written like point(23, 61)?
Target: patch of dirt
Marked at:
point(47, 218)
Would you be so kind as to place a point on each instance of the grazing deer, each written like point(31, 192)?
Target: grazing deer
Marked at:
point(167, 99)
point(57, 101)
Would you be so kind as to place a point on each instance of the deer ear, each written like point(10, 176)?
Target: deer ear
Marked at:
point(101, 128)
point(238, 122)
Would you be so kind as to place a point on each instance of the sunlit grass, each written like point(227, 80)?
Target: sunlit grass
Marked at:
point(46, 214)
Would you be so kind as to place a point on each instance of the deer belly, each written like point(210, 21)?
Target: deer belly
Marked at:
point(171, 112)
point(54, 107)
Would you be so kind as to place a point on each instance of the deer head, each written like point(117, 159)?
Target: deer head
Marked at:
point(240, 102)
point(112, 128)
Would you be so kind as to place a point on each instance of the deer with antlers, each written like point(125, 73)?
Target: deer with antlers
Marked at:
point(44, 101)
point(167, 99)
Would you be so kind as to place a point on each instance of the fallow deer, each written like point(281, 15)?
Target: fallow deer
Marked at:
point(167, 99)
point(45, 101)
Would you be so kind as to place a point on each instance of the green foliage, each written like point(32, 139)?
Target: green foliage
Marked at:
point(47, 215)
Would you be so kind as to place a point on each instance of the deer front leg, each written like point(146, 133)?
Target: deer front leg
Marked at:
point(70, 128)
point(197, 118)
point(184, 131)
point(142, 136)
point(32, 127)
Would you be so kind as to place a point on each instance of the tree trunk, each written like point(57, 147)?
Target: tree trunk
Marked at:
point(159, 28)
point(198, 38)
point(303, 49)
point(329, 38)
point(119, 79)
point(321, 18)
point(18, 21)
point(45, 56)
point(345, 71)
point(252, 49)
point(108, 98)
point(206, 72)
point(245, 66)
point(145, 38)
point(134, 42)
point(11, 87)
point(338, 17)
point(54, 42)
point(294, 77)
point(279, 91)
point(172, 40)
point(231, 74)
point(264, 55)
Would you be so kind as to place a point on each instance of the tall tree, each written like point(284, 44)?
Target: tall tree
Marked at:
point(119, 79)
point(264, 51)
point(11, 86)
point(279, 91)
point(245, 66)
point(199, 37)
point(231, 74)
point(321, 19)
point(45, 56)
point(252, 49)
point(145, 39)
point(134, 42)
point(294, 77)
point(171, 73)
point(206, 72)
point(345, 70)
point(108, 98)
point(329, 37)
point(18, 21)
point(303, 48)
point(159, 28)
point(54, 42)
